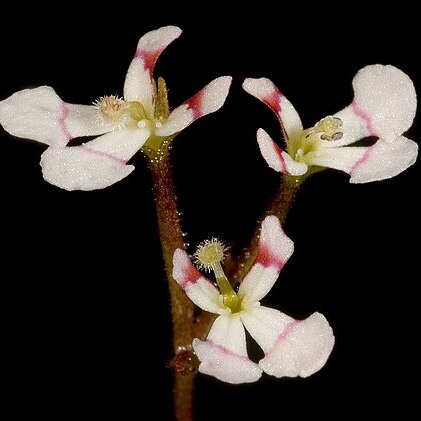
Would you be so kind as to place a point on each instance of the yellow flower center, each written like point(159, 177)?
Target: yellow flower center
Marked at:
point(210, 253)
point(121, 114)
point(309, 140)
point(111, 107)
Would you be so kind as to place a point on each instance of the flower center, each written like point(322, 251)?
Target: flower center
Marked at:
point(120, 113)
point(111, 108)
point(328, 128)
point(210, 253)
point(209, 256)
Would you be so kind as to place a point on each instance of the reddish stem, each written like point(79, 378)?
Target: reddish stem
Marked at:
point(182, 309)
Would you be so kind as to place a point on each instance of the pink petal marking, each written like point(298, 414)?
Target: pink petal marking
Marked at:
point(363, 159)
point(285, 333)
point(267, 258)
point(363, 115)
point(278, 151)
point(149, 58)
point(102, 154)
point(273, 100)
point(190, 276)
point(64, 113)
point(195, 104)
point(227, 351)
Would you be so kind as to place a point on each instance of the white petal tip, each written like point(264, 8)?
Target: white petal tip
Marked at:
point(71, 169)
point(35, 114)
point(385, 160)
point(259, 87)
point(385, 98)
point(208, 100)
point(181, 263)
point(224, 83)
point(274, 238)
point(159, 38)
point(250, 82)
point(227, 80)
point(213, 95)
point(302, 350)
point(226, 366)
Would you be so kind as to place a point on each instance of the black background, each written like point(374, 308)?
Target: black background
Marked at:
point(85, 313)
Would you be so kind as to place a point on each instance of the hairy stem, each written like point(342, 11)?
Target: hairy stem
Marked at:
point(279, 206)
point(182, 309)
point(183, 394)
point(238, 268)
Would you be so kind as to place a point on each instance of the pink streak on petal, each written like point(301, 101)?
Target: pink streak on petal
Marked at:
point(283, 164)
point(278, 151)
point(273, 100)
point(149, 58)
point(285, 333)
point(102, 154)
point(363, 115)
point(226, 351)
point(363, 159)
point(267, 258)
point(191, 276)
point(195, 104)
point(64, 113)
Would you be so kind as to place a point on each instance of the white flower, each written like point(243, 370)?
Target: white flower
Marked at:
point(292, 347)
point(125, 124)
point(384, 106)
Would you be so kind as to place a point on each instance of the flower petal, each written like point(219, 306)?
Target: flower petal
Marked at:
point(275, 248)
point(276, 158)
point(384, 159)
point(139, 85)
point(265, 324)
point(93, 165)
point(41, 115)
point(388, 97)
point(301, 349)
point(265, 90)
point(355, 126)
point(224, 354)
point(208, 100)
point(384, 104)
point(342, 159)
point(292, 347)
point(197, 287)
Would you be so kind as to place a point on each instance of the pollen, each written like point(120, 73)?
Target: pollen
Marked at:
point(111, 108)
point(210, 254)
point(330, 128)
